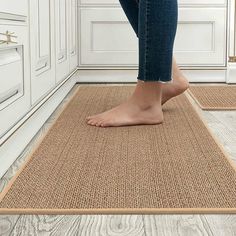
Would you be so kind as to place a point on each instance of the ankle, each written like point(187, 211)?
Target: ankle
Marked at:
point(143, 103)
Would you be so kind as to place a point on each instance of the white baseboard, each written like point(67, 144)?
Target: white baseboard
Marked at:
point(128, 75)
point(15, 144)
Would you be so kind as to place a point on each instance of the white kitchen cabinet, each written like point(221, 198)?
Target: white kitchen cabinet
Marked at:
point(14, 72)
point(42, 48)
point(73, 49)
point(107, 38)
point(62, 39)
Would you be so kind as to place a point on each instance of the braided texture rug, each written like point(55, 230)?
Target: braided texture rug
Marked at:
point(219, 97)
point(173, 167)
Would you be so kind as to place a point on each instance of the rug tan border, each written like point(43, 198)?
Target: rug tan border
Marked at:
point(209, 108)
point(48, 211)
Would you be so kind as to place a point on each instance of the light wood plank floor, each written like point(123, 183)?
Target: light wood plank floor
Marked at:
point(223, 125)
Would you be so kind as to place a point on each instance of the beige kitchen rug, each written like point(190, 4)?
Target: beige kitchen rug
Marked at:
point(214, 97)
point(174, 167)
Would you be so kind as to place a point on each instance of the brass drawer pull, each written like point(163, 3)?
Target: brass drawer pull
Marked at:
point(232, 58)
point(9, 37)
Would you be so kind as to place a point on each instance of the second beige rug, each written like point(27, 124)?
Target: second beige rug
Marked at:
point(220, 97)
point(175, 167)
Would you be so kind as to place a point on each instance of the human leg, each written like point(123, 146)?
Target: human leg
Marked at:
point(144, 105)
point(179, 83)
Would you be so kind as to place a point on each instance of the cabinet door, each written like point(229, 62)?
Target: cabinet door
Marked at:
point(62, 45)
point(42, 48)
point(14, 76)
point(201, 37)
point(73, 50)
point(107, 38)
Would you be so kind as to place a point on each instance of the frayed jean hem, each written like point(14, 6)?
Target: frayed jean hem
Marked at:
point(160, 81)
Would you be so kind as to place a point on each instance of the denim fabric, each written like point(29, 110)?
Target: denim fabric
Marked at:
point(155, 24)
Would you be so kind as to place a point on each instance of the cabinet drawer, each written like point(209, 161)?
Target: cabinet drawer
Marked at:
point(107, 38)
point(11, 80)
point(180, 2)
point(15, 7)
point(14, 79)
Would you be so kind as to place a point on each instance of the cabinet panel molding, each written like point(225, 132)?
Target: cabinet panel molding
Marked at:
point(43, 34)
point(201, 37)
point(73, 42)
point(42, 48)
point(107, 38)
point(61, 39)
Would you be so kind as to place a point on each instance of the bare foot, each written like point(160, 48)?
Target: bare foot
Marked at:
point(143, 107)
point(179, 85)
point(127, 113)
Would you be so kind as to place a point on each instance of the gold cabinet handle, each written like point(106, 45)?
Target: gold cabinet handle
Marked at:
point(9, 37)
point(232, 58)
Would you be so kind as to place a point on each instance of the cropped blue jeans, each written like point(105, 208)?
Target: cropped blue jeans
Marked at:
point(155, 24)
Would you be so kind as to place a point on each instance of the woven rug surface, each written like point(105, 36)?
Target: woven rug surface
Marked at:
point(214, 97)
point(173, 167)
